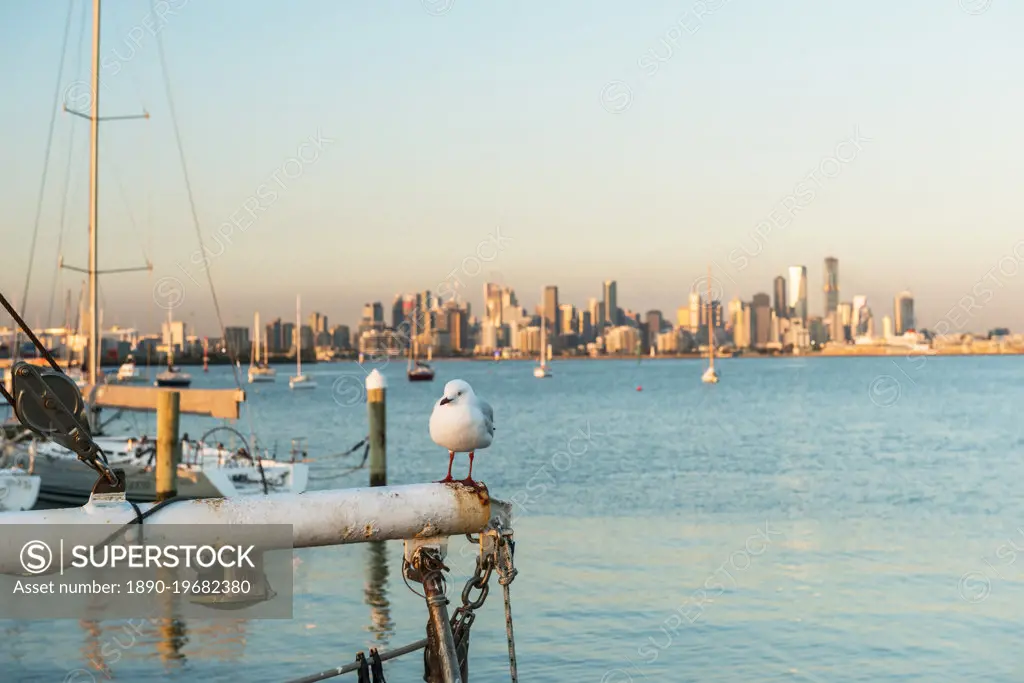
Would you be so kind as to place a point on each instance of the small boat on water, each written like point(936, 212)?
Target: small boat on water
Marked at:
point(541, 370)
point(299, 381)
point(417, 371)
point(710, 376)
point(128, 373)
point(259, 371)
point(173, 377)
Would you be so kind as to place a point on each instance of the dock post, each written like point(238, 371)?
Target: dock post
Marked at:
point(168, 444)
point(376, 391)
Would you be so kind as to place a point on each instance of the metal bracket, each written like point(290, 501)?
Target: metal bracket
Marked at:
point(413, 545)
point(104, 488)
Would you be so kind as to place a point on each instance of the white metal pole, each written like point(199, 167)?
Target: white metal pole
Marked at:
point(318, 518)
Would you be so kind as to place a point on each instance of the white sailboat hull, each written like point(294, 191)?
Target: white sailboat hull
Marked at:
point(710, 376)
point(173, 379)
point(302, 382)
point(18, 490)
point(206, 472)
point(541, 372)
point(262, 375)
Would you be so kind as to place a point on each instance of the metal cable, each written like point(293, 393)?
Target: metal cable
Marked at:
point(46, 169)
point(195, 223)
point(67, 183)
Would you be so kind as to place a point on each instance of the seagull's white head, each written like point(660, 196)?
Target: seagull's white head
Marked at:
point(454, 389)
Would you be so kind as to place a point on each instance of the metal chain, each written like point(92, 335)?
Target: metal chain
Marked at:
point(465, 615)
point(506, 574)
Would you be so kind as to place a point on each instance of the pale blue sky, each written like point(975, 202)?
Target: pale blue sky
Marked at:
point(490, 114)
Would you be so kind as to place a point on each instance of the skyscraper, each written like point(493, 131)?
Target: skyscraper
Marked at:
point(760, 320)
point(654, 321)
point(797, 301)
point(397, 311)
point(611, 302)
point(781, 305)
point(695, 312)
point(903, 312)
point(493, 302)
point(860, 304)
point(551, 313)
point(567, 318)
point(831, 285)
point(596, 313)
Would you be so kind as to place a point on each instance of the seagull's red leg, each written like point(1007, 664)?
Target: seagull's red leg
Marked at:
point(469, 479)
point(451, 458)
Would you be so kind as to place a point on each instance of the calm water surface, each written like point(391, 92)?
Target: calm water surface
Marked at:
point(804, 520)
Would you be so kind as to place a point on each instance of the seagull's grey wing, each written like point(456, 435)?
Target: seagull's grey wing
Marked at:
point(488, 412)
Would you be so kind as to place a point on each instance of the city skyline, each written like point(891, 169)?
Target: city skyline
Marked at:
point(881, 307)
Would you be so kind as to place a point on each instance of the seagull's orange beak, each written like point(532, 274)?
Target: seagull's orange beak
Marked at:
point(445, 400)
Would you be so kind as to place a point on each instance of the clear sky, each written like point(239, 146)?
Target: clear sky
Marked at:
point(449, 120)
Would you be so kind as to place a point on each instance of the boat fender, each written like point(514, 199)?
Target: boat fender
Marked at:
point(364, 668)
point(376, 667)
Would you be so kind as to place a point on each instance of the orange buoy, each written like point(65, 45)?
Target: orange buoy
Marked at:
point(639, 388)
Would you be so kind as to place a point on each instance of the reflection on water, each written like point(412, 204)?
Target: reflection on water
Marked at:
point(376, 592)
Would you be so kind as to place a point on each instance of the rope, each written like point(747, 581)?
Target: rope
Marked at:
point(46, 169)
point(350, 470)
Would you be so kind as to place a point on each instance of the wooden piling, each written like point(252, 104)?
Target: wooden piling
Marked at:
point(168, 444)
point(376, 391)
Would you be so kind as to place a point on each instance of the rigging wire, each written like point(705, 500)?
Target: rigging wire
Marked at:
point(195, 219)
point(67, 177)
point(46, 169)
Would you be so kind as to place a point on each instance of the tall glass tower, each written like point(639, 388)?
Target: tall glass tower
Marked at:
point(831, 285)
point(798, 292)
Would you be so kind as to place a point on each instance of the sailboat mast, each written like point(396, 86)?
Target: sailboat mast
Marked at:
point(94, 155)
point(711, 324)
point(255, 352)
point(298, 337)
point(412, 342)
point(543, 341)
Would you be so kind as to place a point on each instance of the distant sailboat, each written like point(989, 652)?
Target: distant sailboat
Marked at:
point(542, 371)
point(173, 376)
point(710, 376)
point(417, 371)
point(299, 381)
point(259, 371)
point(129, 371)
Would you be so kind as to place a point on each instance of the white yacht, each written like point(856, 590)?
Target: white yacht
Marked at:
point(172, 376)
point(206, 471)
point(299, 381)
point(541, 370)
point(710, 376)
point(259, 371)
point(128, 373)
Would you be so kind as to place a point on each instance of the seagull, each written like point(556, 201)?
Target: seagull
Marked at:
point(461, 422)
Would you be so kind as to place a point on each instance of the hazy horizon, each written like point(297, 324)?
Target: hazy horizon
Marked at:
point(637, 144)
